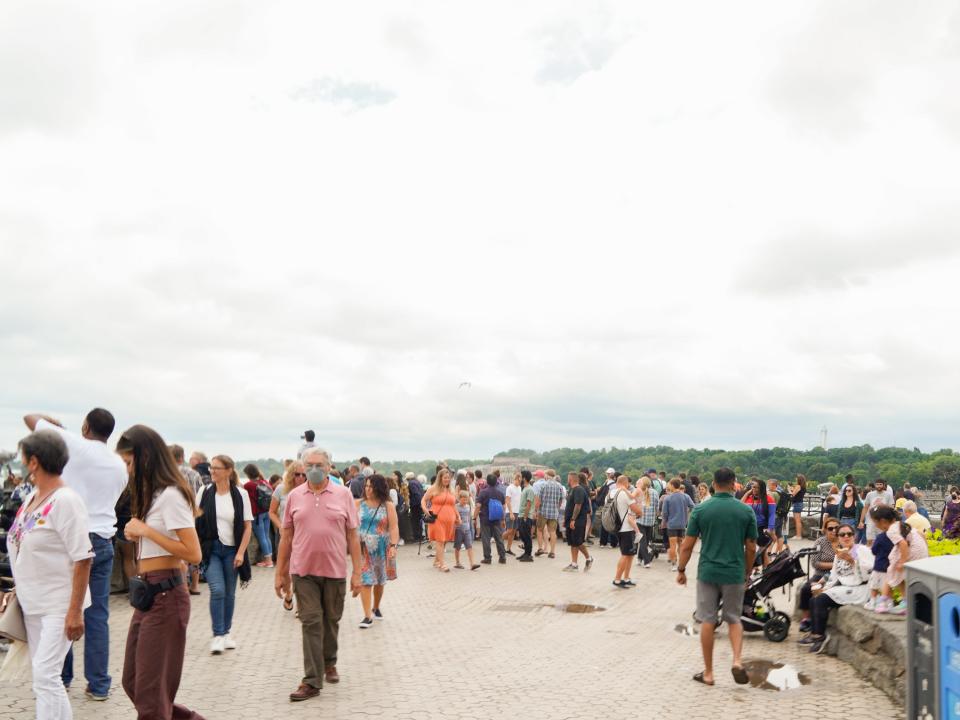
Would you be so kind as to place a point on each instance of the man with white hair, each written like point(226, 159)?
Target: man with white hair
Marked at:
point(914, 519)
point(319, 528)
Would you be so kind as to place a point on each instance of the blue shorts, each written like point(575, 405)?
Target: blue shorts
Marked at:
point(798, 507)
point(463, 537)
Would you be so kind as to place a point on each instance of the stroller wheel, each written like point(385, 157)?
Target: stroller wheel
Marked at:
point(777, 627)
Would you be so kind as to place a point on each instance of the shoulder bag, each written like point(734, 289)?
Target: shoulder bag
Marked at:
point(11, 618)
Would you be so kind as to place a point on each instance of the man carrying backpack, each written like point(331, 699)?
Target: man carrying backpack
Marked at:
point(489, 509)
point(602, 494)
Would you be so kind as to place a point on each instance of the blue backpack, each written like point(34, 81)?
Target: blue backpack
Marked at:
point(494, 510)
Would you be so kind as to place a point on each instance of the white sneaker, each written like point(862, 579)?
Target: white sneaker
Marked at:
point(216, 647)
point(870, 604)
point(229, 643)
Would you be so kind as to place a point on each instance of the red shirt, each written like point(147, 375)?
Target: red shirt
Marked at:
point(319, 521)
point(251, 487)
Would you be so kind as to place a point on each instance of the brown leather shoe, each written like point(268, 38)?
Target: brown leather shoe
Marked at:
point(330, 674)
point(304, 692)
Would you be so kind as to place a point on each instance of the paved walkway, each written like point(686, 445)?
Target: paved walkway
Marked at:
point(486, 644)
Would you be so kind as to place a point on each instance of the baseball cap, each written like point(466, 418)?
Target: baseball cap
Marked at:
point(651, 470)
point(539, 474)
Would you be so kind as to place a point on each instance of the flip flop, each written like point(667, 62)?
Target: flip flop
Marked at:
point(288, 604)
point(739, 675)
point(699, 678)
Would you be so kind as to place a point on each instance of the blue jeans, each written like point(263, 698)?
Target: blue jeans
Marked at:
point(222, 581)
point(261, 526)
point(96, 635)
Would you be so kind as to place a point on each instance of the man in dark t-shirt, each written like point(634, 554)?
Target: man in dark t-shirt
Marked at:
point(491, 528)
point(575, 520)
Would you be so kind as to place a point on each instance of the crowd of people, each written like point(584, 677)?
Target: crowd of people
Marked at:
point(324, 530)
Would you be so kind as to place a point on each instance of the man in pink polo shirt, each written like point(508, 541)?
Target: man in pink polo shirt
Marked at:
point(319, 527)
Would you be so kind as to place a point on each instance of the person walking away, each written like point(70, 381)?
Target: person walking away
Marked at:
point(260, 494)
point(439, 501)
point(646, 499)
point(526, 520)
point(727, 530)
point(575, 521)
point(764, 508)
point(490, 514)
point(782, 503)
point(512, 492)
point(294, 476)
point(463, 536)
point(224, 530)
point(548, 502)
point(592, 494)
point(403, 507)
point(163, 509)
point(97, 475)
point(319, 529)
point(626, 512)
point(50, 555)
point(675, 507)
point(797, 495)
point(379, 538)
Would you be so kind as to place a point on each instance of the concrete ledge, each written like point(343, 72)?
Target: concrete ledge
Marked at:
point(875, 645)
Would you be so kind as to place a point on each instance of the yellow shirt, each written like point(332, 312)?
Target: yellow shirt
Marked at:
point(918, 522)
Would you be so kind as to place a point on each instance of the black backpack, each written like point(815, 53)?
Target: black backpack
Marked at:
point(784, 502)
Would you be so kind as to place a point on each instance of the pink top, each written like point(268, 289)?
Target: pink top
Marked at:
point(320, 521)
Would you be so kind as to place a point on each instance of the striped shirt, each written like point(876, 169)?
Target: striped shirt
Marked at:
point(550, 495)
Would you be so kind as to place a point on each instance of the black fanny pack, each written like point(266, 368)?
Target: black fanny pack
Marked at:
point(142, 593)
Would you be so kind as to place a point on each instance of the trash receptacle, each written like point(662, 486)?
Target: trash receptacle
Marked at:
point(933, 638)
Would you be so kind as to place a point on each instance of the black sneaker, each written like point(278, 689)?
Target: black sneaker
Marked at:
point(366, 622)
point(589, 564)
point(509, 552)
point(377, 615)
point(503, 560)
point(486, 561)
point(525, 558)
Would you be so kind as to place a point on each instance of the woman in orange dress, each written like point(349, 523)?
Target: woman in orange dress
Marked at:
point(439, 500)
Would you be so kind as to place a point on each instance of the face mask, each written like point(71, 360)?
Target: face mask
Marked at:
point(315, 476)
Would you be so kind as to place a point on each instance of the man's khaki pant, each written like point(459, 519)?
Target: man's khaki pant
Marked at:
point(320, 601)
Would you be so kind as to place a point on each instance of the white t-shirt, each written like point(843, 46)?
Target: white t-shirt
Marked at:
point(394, 497)
point(44, 545)
point(169, 511)
point(623, 508)
point(97, 474)
point(873, 498)
point(513, 497)
point(225, 514)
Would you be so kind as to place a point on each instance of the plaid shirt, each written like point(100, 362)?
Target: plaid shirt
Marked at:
point(648, 513)
point(550, 494)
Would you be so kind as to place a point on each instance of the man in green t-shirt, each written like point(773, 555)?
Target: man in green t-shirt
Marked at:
point(728, 532)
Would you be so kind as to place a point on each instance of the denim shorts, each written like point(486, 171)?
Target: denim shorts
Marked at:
point(463, 537)
point(798, 507)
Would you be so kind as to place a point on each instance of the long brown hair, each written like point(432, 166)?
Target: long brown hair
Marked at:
point(153, 469)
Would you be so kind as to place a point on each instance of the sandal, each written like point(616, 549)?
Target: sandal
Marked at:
point(444, 568)
point(699, 678)
point(288, 604)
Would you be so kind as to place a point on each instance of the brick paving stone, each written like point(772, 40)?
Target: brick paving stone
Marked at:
point(490, 643)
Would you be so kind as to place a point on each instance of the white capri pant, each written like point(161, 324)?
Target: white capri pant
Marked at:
point(48, 646)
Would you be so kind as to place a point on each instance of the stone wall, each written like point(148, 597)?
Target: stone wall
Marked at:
point(875, 645)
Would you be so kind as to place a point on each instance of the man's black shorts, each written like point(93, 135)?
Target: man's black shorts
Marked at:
point(628, 542)
point(578, 535)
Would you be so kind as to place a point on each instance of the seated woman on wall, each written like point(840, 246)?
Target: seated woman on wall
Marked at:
point(847, 585)
point(821, 563)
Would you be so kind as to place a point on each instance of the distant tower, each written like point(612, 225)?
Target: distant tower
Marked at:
point(823, 437)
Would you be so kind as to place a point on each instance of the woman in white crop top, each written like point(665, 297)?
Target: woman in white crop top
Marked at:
point(163, 509)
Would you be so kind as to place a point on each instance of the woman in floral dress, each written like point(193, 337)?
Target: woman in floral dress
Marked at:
point(379, 536)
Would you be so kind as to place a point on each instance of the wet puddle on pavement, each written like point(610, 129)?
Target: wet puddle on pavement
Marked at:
point(578, 608)
point(574, 608)
point(769, 675)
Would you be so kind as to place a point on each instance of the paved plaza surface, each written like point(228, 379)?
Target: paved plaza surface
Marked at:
point(494, 643)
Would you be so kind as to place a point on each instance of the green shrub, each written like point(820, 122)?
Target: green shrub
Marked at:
point(939, 545)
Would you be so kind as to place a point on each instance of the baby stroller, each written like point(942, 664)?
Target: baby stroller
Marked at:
point(758, 612)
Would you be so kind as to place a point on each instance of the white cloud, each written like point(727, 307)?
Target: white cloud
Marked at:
point(620, 225)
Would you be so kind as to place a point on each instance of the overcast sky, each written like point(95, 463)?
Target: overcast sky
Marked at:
point(695, 223)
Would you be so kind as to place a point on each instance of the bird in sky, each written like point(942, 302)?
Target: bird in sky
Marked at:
point(465, 385)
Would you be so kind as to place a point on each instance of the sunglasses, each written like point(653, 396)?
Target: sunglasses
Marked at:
point(846, 534)
point(303, 475)
point(832, 529)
